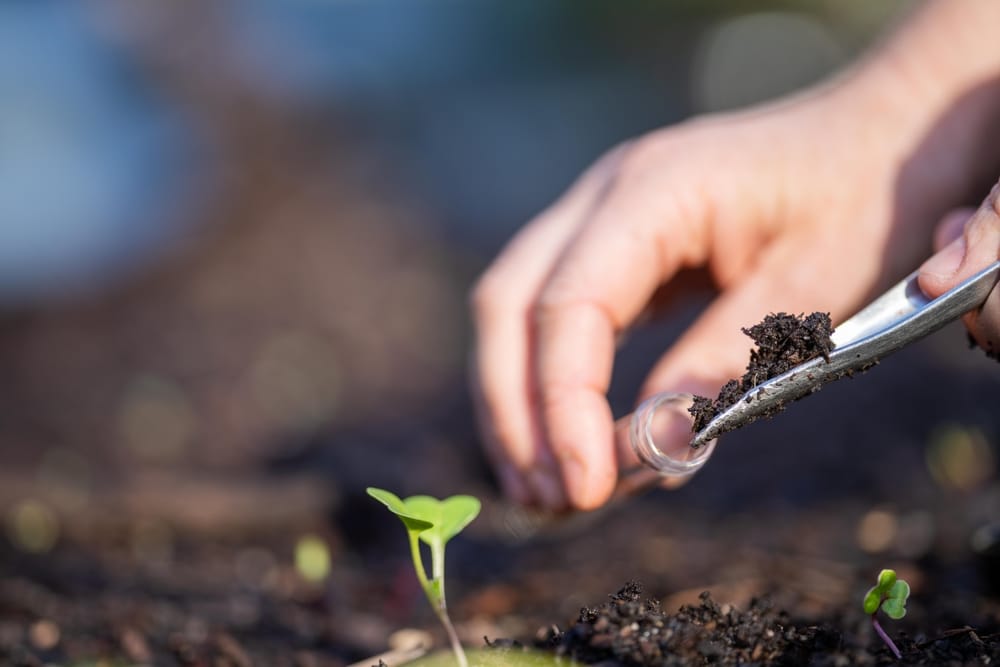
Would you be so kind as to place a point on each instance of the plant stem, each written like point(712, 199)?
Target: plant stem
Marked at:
point(888, 641)
point(456, 645)
point(418, 563)
point(441, 606)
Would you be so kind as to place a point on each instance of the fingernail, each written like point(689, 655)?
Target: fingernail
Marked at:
point(548, 488)
point(945, 263)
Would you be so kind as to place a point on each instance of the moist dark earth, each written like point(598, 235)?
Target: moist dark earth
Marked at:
point(631, 630)
point(782, 341)
point(786, 529)
point(192, 561)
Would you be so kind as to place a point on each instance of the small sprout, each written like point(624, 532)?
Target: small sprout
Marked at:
point(889, 595)
point(432, 522)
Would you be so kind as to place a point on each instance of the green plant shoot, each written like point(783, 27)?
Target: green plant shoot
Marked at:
point(433, 522)
point(889, 595)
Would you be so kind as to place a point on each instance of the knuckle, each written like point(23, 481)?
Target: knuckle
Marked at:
point(550, 305)
point(993, 200)
point(655, 151)
point(641, 157)
point(612, 159)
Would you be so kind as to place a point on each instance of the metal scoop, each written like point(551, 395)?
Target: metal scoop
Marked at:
point(899, 317)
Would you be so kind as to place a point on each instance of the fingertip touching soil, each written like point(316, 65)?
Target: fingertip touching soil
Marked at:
point(782, 341)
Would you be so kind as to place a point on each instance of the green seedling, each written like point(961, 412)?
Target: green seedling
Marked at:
point(889, 595)
point(432, 522)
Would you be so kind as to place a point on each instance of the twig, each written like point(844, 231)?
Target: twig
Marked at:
point(956, 632)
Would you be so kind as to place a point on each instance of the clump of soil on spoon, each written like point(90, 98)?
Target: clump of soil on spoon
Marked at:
point(783, 342)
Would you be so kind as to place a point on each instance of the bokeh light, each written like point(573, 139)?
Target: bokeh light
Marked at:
point(877, 530)
point(44, 634)
point(312, 558)
point(960, 457)
point(32, 526)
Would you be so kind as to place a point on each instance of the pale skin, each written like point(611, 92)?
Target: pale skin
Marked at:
point(814, 202)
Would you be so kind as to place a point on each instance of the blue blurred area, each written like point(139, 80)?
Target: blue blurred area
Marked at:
point(490, 108)
point(485, 111)
point(91, 161)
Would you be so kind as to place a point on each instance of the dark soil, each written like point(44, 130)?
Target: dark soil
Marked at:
point(783, 341)
point(630, 630)
point(633, 631)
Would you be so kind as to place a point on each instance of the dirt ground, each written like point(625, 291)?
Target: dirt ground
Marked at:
point(188, 567)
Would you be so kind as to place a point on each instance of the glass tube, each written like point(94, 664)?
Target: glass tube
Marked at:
point(658, 434)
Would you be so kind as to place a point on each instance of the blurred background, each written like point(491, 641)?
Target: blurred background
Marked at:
point(226, 229)
point(235, 244)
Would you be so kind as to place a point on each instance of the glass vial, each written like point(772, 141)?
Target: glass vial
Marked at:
point(658, 434)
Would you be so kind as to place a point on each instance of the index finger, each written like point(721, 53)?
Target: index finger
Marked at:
point(600, 285)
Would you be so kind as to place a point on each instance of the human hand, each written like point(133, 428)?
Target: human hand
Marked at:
point(795, 206)
point(777, 203)
point(966, 241)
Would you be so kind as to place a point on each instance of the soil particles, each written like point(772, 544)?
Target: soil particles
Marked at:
point(632, 631)
point(783, 341)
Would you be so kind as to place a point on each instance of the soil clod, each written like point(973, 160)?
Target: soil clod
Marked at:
point(632, 631)
point(782, 341)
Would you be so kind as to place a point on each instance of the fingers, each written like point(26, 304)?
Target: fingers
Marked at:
point(503, 353)
point(600, 284)
point(977, 246)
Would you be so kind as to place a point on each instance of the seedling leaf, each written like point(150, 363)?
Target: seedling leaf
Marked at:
point(433, 522)
point(894, 609)
point(899, 591)
point(413, 520)
point(886, 580)
point(889, 594)
point(895, 604)
point(448, 517)
point(872, 601)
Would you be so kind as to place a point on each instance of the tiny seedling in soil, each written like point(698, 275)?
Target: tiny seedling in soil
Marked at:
point(432, 522)
point(889, 595)
point(782, 341)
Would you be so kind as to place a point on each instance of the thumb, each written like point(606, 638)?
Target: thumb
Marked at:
point(975, 248)
point(937, 273)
